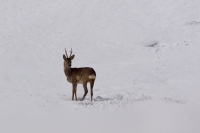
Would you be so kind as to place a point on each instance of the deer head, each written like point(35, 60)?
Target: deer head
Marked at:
point(68, 60)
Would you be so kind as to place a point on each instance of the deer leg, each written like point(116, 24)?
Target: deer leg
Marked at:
point(72, 94)
point(85, 90)
point(91, 88)
point(74, 91)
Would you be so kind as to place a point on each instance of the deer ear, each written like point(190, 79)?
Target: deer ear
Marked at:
point(64, 57)
point(72, 57)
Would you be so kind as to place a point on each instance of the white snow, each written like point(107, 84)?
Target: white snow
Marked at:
point(146, 55)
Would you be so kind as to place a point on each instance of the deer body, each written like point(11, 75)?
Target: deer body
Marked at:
point(78, 76)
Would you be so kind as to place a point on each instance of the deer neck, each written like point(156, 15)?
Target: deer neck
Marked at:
point(67, 69)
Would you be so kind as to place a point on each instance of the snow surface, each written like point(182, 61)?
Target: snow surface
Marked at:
point(146, 55)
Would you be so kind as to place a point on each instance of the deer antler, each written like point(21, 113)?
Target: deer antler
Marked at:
point(70, 53)
point(66, 52)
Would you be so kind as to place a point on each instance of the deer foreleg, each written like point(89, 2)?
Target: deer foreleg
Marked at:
point(74, 91)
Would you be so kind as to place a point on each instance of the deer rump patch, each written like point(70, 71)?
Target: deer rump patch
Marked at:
point(92, 76)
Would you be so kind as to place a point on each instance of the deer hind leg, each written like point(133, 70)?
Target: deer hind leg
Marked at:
point(85, 90)
point(74, 88)
point(91, 88)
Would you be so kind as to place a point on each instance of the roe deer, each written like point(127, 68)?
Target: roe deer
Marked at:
point(78, 76)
